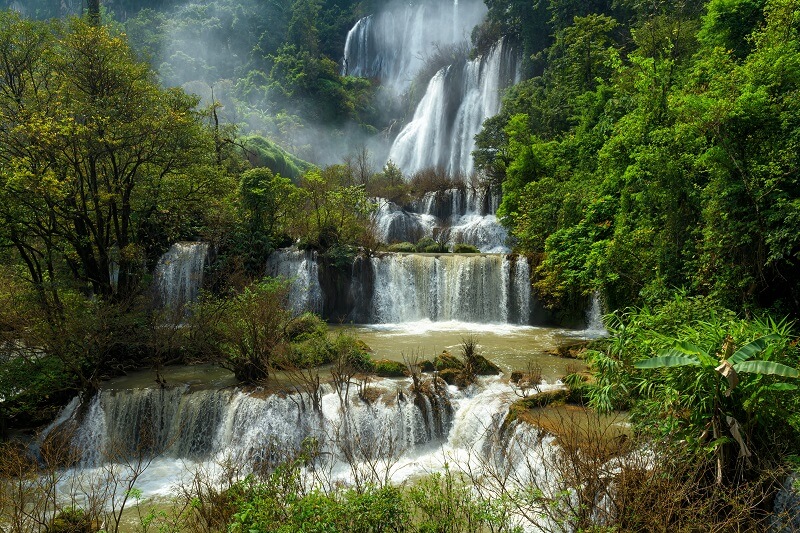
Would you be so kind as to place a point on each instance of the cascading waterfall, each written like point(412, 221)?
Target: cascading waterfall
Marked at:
point(460, 215)
point(191, 424)
point(458, 99)
point(391, 288)
point(446, 287)
point(179, 273)
point(301, 269)
point(392, 45)
point(594, 318)
point(409, 434)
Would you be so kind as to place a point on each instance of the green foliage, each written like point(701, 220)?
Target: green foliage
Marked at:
point(462, 248)
point(336, 213)
point(723, 386)
point(261, 152)
point(685, 143)
point(102, 165)
point(250, 330)
point(445, 504)
point(729, 24)
point(404, 247)
point(430, 246)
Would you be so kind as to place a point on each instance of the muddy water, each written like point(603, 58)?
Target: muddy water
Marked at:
point(508, 346)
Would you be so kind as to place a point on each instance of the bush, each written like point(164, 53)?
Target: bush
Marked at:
point(462, 248)
point(304, 326)
point(402, 247)
point(430, 246)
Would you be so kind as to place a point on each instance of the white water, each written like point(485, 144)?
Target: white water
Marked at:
point(438, 137)
point(594, 319)
point(469, 288)
point(179, 273)
point(302, 271)
point(392, 45)
point(462, 215)
point(487, 288)
point(398, 437)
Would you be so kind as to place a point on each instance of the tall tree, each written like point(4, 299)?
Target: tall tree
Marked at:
point(94, 149)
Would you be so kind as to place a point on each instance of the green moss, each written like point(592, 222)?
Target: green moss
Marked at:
point(390, 369)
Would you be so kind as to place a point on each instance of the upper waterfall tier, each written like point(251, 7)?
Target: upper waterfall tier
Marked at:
point(459, 98)
point(461, 215)
point(179, 273)
point(392, 45)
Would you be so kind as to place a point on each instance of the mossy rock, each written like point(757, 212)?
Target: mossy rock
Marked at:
point(390, 369)
point(401, 247)
point(427, 366)
point(570, 350)
point(542, 399)
point(484, 367)
point(446, 360)
point(454, 376)
point(73, 521)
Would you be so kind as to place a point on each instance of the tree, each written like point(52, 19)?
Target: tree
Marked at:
point(252, 330)
point(94, 154)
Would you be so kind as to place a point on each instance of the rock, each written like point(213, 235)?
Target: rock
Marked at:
point(452, 376)
point(786, 510)
point(484, 367)
point(390, 369)
point(427, 366)
point(446, 360)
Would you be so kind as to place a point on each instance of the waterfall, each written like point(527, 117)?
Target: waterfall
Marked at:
point(394, 224)
point(179, 273)
point(302, 271)
point(461, 215)
point(458, 99)
point(594, 318)
point(392, 45)
point(182, 423)
point(468, 288)
point(390, 288)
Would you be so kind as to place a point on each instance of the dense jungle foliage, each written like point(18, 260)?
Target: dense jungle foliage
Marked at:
point(651, 154)
point(656, 150)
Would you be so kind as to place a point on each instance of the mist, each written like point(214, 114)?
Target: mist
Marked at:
point(218, 51)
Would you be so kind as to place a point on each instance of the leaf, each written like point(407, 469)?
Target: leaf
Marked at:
point(728, 373)
point(687, 348)
point(767, 367)
point(780, 387)
point(750, 349)
point(666, 361)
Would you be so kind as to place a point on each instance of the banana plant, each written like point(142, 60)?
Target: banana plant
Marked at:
point(728, 363)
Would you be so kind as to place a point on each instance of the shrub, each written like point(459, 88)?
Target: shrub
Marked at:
point(462, 248)
point(402, 247)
